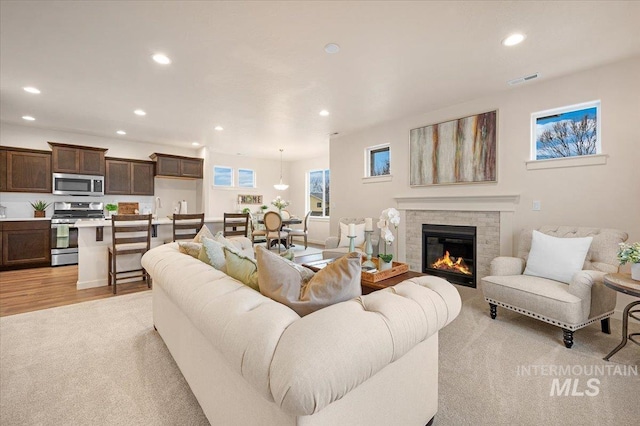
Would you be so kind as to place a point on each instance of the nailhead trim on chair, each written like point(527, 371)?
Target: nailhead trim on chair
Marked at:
point(572, 327)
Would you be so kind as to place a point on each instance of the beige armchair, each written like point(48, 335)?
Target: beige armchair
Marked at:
point(333, 249)
point(572, 306)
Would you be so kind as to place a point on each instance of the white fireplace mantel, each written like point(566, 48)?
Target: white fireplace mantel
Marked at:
point(499, 203)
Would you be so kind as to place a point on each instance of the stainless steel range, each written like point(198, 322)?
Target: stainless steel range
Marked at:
point(64, 235)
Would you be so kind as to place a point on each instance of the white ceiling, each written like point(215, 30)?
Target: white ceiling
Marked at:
point(259, 68)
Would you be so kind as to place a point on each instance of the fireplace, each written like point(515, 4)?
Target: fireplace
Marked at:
point(449, 252)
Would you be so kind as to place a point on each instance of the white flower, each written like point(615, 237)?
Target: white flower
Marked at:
point(387, 235)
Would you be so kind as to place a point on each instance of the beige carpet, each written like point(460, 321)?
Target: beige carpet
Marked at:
point(101, 363)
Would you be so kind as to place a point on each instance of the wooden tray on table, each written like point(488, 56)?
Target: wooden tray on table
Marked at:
point(397, 268)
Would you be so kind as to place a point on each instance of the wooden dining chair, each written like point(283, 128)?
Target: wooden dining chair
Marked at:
point(273, 223)
point(256, 234)
point(236, 224)
point(293, 232)
point(130, 234)
point(187, 226)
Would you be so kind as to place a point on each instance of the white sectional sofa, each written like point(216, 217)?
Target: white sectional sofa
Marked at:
point(369, 361)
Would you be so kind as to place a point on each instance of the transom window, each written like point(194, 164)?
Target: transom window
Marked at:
point(377, 161)
point(222, 176)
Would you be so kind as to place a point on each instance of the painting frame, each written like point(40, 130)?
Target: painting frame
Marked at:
point(459, 151)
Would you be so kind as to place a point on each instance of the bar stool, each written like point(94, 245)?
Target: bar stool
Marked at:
point(130, 234)
point(236, 225)
point(188, 224)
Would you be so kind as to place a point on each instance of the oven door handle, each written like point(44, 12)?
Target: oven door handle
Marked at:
point(55, 225)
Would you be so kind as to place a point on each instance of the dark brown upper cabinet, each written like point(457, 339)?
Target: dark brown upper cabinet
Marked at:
point(178, 167)
point(75, 159)
point(25, 170)
point(129, 177)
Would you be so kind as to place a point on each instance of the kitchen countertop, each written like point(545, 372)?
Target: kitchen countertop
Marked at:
point(94, 223)
point(22, 219)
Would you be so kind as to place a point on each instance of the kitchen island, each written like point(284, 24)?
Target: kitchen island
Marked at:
point(94, 239)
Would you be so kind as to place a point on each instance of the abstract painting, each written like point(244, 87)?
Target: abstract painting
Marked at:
point(456, 151)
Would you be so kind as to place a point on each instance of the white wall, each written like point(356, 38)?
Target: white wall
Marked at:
point(596, 196)
point(170, 191)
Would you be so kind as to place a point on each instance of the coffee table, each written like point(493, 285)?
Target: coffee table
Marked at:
point(624, 284)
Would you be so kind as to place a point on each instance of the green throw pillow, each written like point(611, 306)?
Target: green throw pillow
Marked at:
point(212, 253)
point(242, 268)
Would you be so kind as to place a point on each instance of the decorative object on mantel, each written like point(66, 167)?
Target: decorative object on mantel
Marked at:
point(249, 199)
point(456, 151)
point(281, 186)
point(388, 217)
point(39, 208)
point(280, 204)
point(111, 208)
point(630, 253)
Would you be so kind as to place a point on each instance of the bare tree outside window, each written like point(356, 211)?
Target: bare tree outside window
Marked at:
point(568, 134)
point(319, 195)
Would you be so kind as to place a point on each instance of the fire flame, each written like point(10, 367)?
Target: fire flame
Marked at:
point(449, 263)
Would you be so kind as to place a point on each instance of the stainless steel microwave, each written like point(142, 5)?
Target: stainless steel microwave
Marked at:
point(68, 184)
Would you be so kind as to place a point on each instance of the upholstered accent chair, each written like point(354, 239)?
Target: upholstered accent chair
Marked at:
point(338, 246)
point(583, 301)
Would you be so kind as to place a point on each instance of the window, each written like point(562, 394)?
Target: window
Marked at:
point(246, 178)
point(318, 193)
point(222, 176)
point(565, 132)
point(377, 161)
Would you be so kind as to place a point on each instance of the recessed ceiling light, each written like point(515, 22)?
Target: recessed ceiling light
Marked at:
point(513, 39)
point(139, 112)
point(324, 113)
point(121, 132)
point(28, 118)
point(31, 90)
point(218, 128)
point(161, 59)
point(195, 144)
point(332, 48)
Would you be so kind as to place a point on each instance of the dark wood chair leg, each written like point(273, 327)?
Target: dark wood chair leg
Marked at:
point(493, 310)
point(567, 337)
point(605, 325)
point(431, 421)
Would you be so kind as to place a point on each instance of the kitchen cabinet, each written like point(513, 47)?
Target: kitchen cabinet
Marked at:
point(81, 160)
point(129, 177)
point(25, 170)
point(178, 167)
point(26, 243)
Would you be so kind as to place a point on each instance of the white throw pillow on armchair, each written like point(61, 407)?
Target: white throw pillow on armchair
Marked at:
point(556, 258)
point(344, 234)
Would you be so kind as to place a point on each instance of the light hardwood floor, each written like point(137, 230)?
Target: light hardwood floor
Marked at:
point(29, 290)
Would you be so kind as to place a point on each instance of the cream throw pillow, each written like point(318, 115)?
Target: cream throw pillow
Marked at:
point(192, 249)
point(212, 253)
point(242, 268)
point(204, 232)
point(302, 290)
point(556, 258)
point(344, 233)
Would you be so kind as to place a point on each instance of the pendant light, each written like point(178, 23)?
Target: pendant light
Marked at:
point(281, 186)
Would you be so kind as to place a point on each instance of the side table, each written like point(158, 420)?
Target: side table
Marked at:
point(624, 284)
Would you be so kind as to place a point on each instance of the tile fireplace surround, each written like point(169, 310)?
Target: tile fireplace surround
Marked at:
point(492, 215)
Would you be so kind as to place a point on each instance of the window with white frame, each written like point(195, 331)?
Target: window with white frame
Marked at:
point(570, 131)
point(246, 178)
point(222, 176)
point(377, 161)
point(318, 192)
